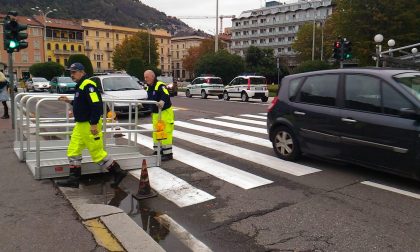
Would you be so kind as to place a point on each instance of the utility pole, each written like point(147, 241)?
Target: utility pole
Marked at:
point(216, 36)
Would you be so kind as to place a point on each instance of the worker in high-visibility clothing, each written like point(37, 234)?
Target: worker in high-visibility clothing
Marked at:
point(87, 133)
point(156, 91)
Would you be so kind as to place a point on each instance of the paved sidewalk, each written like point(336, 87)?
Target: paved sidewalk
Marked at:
point(34, 216)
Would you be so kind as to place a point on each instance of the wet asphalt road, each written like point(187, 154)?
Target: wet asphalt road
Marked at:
point(330, 210)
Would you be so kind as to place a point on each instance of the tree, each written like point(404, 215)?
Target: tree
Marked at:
point(136, 46)
point(262, 62)
point(82, 59)
point(196, 52)
point(360, 20)
point(221, 64)
point(136, 67)
point(47, 70)
point(309, 65)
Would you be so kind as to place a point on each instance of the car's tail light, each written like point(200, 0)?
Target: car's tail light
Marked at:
point(249, 84)
point(273, 103)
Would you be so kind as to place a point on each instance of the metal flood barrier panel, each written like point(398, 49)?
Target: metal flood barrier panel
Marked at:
point(41, 141)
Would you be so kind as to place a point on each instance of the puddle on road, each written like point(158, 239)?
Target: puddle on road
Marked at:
point(98, 189)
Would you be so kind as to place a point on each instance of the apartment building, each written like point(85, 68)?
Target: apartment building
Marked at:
point(180, 44)
point(276, 25)
point(101, 40)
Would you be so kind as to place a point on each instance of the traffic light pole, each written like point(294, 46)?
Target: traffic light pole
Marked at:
point(12, 89)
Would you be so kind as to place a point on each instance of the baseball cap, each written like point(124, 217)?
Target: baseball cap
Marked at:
point(76, 67)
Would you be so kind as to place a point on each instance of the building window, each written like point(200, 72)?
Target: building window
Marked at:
point(117, 37)
point(37, 58)
point(48, 46)
point(177, 55)
point(161, 50)
point(254, 21)
point(161, 60)
point(162, 67)
point(97, 45)
point(57, 60)
point(109, 65)
point(87, 33)
point(49, 59)
point(65, 47)
point(98, 65)
point(72, 48)
point(24, 56)
point(36, 44)
point(65, 62)
point(125, 36)
point(107, 34)
point(263, 20)
point(161, 41)
point(107, 45)
point(97, 33)
point(80, 48)
point(56, 47)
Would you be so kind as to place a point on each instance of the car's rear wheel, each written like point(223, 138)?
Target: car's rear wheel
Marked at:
point(220, 96)
point(188, 94)
point(244, 97)
point(285, 144)
point(203, 94)
point(264, 99)
point(226, 96)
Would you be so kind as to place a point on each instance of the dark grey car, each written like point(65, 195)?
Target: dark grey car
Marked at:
point(369, 117)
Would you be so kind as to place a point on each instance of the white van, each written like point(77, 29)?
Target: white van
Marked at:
point(121, 86)
point(247, 86)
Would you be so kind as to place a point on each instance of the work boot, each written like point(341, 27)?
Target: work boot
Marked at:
point(73, 179)
point(167, 157)
point(118, 173)
point(5, 116)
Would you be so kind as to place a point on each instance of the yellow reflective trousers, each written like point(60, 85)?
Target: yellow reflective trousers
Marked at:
point(82, 138)
point(168, 118)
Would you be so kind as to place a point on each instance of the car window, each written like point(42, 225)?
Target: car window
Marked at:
point(393, 101)
point(194, 81)
point(363, 93)
point(257, 80)
point(411, 82)
point(293, 88)
point(215, 81)
point(39, 79)
point(65, 79)
point(234, 81)
point(320, 90)
point(120, 84)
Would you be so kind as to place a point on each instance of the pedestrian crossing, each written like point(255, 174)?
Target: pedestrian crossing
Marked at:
point(171, 187)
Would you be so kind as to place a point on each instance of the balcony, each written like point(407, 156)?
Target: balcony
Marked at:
point(109, 49)
point(88, 48)
point(64, 40)
point(64, 52)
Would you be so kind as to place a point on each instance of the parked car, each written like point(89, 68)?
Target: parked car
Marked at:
point(205, 86)
point(122, 86)
point(171, 84)
point(37, 84)
point(245, 87)
point(369, 117)
point(62, 85)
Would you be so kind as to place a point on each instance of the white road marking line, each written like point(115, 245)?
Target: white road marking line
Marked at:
point(237, 119)
point(263, 114)
point(392, 189)
point(232, 125)
point(255, 116)
point(217, 169)
point(173, 188)
point(252, 156)
point(228, 134)
point(182, 234)
point(252, 102)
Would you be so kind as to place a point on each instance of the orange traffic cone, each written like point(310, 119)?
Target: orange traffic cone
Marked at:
point(145, 191)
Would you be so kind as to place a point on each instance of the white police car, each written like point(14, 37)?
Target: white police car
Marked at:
point(247, 86)
point(205, 86)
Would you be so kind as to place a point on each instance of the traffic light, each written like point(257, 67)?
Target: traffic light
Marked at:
point(337, 50)
point(347, 50)
point(14, 38)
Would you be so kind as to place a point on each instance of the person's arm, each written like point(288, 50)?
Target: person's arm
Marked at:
point(95, 103)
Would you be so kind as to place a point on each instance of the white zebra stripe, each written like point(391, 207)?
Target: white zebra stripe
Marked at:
point(237, 119)
point(255, 116)
point(232, 125)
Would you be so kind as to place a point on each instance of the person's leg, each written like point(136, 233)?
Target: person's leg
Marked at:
point(95, 145)
point(74, 154)
point(6, 110)
point(155, 141)
point(168, 118)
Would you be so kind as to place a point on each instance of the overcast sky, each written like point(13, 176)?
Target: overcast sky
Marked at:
point(184, 8)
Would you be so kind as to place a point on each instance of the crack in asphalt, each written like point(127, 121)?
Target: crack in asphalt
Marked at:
point(252, 214)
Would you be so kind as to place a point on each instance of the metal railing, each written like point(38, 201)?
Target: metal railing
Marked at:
point(29, 117)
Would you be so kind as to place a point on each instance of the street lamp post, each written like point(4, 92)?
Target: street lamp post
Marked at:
point(378, 40)
point(216, 36)
point(148, 27)
point(313, 33)
point(44, 14)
